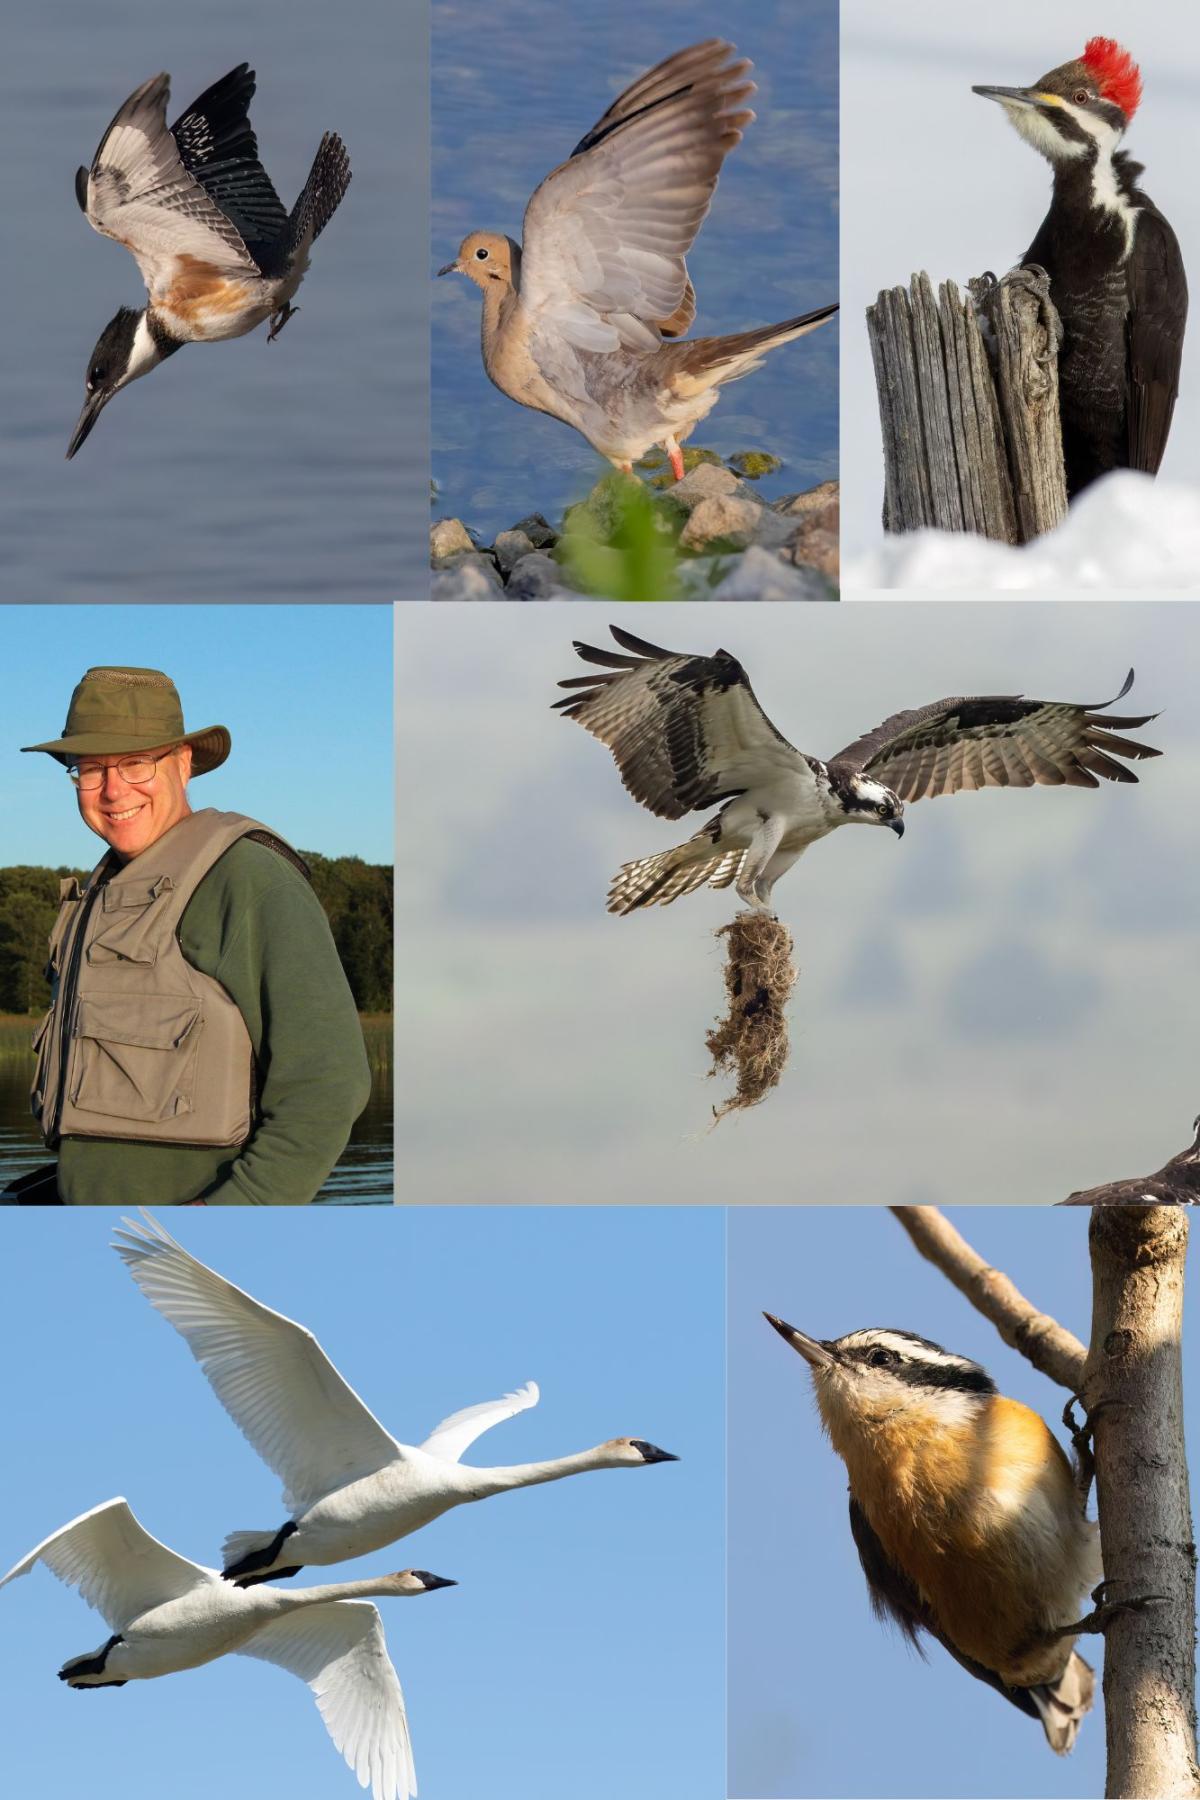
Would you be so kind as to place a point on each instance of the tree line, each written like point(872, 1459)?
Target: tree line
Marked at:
point(356, 896)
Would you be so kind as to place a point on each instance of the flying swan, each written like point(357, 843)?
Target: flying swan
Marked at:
point(166, 1613)
point(349, 1488)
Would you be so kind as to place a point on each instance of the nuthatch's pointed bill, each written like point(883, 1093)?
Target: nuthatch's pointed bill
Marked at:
point(93, 406)
point(815, 1353)
point(1009, 96)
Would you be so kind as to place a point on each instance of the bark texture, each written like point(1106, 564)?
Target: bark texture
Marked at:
point(1133, 1389)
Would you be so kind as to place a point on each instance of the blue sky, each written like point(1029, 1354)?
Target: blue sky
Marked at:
point(587, 1634)
point(305, 691)
point(824, 1701)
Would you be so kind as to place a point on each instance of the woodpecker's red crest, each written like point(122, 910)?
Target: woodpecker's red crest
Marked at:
point(1115, 73)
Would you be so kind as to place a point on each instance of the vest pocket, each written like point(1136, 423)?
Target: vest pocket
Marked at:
point(135, 1059)
point(42, 1102)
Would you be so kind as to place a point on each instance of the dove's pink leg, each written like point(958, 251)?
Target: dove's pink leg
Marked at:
point(676, 455)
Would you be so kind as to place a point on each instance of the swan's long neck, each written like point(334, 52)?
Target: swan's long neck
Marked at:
point(518, 1475)
point(382, 1587)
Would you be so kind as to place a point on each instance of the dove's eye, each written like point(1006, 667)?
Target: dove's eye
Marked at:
point(481, 256)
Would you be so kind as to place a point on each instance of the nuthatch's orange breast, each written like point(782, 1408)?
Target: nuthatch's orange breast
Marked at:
point(979, 1511)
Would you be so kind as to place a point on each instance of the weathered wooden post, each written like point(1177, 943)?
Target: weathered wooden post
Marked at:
point(968, 403)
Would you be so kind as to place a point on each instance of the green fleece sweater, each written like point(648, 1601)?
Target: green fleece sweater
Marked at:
point(256, 926)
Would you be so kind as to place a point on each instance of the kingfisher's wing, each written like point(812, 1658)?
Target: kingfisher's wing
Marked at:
point(1157, 316)
point(147, 185)
point(685, 731)
point(606, 234)
point(895, 1600)
point(997, 740)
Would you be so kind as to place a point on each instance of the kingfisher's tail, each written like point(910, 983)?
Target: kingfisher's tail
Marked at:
point(1062, 1704)
point(657, 880)
point(324, 190)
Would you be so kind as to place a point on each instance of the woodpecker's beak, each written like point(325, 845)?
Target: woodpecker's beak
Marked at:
point(451, 268)
point(1008, 96)
point(815, 1353)
point(93, 406)
point(897, 826)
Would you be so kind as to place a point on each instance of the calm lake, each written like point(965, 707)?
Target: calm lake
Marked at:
point(363, 1177)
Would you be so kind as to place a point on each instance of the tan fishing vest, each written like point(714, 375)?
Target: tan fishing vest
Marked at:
point(138, 1044)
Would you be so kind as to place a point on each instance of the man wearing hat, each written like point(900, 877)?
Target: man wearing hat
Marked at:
point(202, 1043)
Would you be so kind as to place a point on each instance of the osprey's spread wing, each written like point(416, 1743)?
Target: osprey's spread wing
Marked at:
point(997, 740)
point(1177, 1183)
point(194, 192)
point(606, 234)
point(685, 731)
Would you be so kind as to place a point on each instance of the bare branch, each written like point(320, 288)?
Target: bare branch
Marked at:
point(1041, 1340)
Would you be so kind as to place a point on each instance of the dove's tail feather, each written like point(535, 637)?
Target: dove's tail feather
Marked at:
point(706, 361)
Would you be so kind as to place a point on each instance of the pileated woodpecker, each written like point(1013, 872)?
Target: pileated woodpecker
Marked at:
point(1116, 274)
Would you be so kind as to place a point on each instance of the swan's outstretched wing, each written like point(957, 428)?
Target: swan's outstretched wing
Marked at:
point(270, 1374)
point(998, 740)
point(449, 1439)
point(339, 1650)
point(114, 1562)
point(607, 233)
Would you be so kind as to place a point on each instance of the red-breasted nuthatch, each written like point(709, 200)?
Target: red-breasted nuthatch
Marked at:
point(965, 1513)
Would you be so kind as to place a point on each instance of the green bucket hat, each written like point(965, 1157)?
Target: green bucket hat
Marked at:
point(114, 712)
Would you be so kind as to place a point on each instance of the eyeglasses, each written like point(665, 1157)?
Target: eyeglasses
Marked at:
point(136, 770)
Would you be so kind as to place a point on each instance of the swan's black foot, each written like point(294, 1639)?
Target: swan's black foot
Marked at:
point(91, 1665)
point(254, 1560)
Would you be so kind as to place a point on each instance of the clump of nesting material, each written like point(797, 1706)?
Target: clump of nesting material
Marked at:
point(751, 1041)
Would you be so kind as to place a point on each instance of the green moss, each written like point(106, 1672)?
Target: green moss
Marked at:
point(752, 464)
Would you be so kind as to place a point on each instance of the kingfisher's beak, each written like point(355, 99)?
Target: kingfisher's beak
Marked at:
point(93, 406)
point(897, 826)
point(1009, 96)
point(815, 1353)
point(451, 268)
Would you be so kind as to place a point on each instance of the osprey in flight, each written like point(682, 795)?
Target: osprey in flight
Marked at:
point(687, 733)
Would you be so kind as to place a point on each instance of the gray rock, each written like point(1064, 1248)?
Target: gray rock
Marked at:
point(448, 537)
point(758, 574)
point(538, 530)
point(721, 516)
point(708, 482)
point(811, 501)
point(537, 577)
point(509, 548)
point(471, 577)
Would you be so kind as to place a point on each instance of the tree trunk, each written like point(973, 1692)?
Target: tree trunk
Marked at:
point(1133, 1387)
point(971, 432)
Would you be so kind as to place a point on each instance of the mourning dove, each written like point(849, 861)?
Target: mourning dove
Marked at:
point(574, 321)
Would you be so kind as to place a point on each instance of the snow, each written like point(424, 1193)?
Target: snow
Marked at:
point(1125, 532)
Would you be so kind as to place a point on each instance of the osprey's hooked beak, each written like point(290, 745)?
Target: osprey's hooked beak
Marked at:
point(93, 406)
point(897, 826)
point(814, 1352)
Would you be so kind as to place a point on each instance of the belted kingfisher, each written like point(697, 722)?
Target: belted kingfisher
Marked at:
point(195, 207)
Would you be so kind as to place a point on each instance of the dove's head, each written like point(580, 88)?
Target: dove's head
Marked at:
point(486, 258)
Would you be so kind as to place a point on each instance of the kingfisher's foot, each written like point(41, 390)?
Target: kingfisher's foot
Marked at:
point(279, 320)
